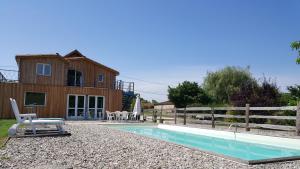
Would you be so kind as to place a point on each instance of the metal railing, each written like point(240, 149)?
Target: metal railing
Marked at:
point(9, 76)
point(118, 85)
point(125, 86)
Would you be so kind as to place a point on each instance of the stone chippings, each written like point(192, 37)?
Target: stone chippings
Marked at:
point(96, 146)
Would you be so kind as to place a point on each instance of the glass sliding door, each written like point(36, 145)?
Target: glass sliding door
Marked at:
point(80, 107)
point(100, 110)
point(95, 107)
point(92, 104)
point(76, 108)
point(71, 107)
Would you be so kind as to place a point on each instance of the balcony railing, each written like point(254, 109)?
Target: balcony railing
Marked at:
point(125, 86)
point(9, 76)
point(118, 85)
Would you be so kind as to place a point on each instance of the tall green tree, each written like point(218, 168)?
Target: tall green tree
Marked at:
point(221, 84)
point(187, 93)
point(295, 94)
point(296, 46)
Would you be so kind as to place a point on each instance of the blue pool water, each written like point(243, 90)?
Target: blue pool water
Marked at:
point(232, 148)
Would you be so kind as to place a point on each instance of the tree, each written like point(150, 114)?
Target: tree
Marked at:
point(263, 94)
point(186, 93)
point(221, 84)
point(260, 95)
point(295, 94)
point(154, 101)
point(296, 46)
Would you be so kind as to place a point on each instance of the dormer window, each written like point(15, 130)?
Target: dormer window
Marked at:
point(101, 78)
point(43, 69)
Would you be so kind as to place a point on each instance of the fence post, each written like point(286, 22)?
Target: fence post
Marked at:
point(154, 115)
point(213, 118)
point(247, 114)
point(160, 118)
point(175, 116)
point(184, 118)
point(298, 120)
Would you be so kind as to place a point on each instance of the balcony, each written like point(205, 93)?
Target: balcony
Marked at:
point(118, 85)
point(13, 76)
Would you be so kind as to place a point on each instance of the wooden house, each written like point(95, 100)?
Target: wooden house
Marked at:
point(71, 86)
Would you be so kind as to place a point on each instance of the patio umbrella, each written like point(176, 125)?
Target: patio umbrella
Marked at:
point(137, 107)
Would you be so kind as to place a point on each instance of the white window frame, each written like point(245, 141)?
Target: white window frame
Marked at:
point(76, 107)
point(96, 105)
point(43, 71)
point(31, 105)
point(101, 74)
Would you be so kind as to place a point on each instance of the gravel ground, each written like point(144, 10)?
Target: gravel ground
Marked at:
point(96, 146)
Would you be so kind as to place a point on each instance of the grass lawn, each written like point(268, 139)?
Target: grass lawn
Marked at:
point(4, 126)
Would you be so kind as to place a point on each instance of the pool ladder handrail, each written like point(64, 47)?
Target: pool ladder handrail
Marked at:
point(234, 124)
point(235, 131)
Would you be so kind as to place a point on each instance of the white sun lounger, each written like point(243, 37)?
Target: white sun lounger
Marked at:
point(29, 120)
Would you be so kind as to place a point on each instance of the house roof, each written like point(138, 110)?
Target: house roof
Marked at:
point(165, 103)
point(33, 56)
point(74, 55)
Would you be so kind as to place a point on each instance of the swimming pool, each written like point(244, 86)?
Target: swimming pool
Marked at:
point(248, 152)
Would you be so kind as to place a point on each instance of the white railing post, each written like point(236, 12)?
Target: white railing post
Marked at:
point(298, 120)
point(247, 113)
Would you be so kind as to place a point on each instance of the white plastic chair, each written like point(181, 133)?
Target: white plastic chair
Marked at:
point(110, 115)
point(124, 115)
point(118, 115)
point(30, 119)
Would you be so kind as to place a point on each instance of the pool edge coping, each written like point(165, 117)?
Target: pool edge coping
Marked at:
point(234, 159)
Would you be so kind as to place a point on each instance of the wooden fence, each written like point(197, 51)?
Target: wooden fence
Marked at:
point(247, 115)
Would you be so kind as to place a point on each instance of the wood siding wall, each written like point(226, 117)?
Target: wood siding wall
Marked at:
point(91, 72)
point(59, 69)
point(27, 68)
point(56, 98)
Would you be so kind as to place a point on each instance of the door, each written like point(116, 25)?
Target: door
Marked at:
point(95, 107)
point(74, 78)
point(75, 109)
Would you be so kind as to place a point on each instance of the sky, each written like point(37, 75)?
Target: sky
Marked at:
point(157, 43)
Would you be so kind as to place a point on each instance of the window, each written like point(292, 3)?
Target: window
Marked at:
point(43, 69)
point(75, 78)
point(35, 99)
point(101, 78)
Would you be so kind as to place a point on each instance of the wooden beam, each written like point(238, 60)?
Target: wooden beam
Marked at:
point(247, 113)
point(241, 116)
point(298, 120)
point(175, 116)
point(292, 108)
point(213, 118)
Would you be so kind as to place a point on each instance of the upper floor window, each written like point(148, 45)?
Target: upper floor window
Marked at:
point(43, 69)
point(101, 78)
point(74, 78)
